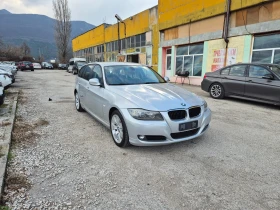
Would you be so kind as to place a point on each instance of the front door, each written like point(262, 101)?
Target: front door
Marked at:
point(234, 81)
point(95, 94)
point(259, 88)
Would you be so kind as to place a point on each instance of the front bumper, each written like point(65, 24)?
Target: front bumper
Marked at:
point(163, 128)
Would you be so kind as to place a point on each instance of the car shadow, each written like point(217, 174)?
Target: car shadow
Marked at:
point(254, 103)
point(170, 148)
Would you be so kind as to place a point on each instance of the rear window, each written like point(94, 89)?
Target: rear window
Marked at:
point(225, 71)
point(27, 62)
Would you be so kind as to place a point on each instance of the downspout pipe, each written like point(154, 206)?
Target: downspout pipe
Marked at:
point(119, 40)
point(226, 29)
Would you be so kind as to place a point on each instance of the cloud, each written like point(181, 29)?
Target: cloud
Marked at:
point(92, 11)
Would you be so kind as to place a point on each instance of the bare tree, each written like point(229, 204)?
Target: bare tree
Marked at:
point(62, 15)
point(25, 49)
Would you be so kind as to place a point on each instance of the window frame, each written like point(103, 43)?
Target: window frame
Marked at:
point(264, 49)
point(245, 71)
point(248, 70)
point(190, 55)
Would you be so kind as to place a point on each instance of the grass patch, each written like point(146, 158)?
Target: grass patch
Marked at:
point(10, 156)
point(1, 153)
point(5, 208)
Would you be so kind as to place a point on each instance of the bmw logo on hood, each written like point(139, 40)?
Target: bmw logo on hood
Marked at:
point(183, 104)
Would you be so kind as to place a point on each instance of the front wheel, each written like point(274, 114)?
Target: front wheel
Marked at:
point(217, 91)
point(77, 103)
point(118, 129)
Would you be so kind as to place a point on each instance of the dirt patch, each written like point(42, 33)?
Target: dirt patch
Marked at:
point(5, 123)
point(21, 98)
point(24, 133)
point(15, 181)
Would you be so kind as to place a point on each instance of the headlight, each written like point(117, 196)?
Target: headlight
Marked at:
point(205, 105)
point(141, 114)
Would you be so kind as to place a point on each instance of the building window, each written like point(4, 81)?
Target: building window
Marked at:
point(143, 40)
point(168, 59)
point(138, 40)
point(190, 58)
point(266, 49)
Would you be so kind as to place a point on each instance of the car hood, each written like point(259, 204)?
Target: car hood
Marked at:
point(156, 97)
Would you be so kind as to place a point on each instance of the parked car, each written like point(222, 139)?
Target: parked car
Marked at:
point(77, 66)
point(62, 66)
point(46, 65)
point(5, 81)
point(8, 74)
point(2, 94)
point(251, 81)
point(26, 65)
point(8, 68)
point(73, 64)
point(138, 105)
point(37, 66)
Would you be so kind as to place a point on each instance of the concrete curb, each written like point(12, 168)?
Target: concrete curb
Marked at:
point(6, 145)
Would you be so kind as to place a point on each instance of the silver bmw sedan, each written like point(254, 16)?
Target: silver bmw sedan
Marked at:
point(138, 105)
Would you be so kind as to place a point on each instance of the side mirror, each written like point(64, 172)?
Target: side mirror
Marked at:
point(167, 79)
point(94, 82)
point(268, 76)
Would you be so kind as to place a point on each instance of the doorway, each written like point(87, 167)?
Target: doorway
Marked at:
point(133, 58)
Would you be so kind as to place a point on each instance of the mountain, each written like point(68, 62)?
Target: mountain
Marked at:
point(36, 30)
point(3, 11)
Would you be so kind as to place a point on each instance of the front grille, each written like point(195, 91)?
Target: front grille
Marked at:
point(184, 134)
point(194, 112)
point(177, 114)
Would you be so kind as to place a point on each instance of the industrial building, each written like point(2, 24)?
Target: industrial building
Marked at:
point(185, 35)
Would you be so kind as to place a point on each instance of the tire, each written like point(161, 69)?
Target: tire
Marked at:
point(217, 91)
point(119, 130)
point(77, 103)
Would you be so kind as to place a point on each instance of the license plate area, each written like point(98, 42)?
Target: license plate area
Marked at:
point(188, 126)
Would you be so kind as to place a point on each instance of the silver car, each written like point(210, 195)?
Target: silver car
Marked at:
point(138, 105)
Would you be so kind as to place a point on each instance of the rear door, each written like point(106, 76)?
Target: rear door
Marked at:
point(259, 88)
point(233, 79)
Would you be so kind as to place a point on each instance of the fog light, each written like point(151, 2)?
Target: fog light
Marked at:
point(141, 137)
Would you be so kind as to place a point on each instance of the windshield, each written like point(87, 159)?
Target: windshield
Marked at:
point(81, 63)
point(276, 70)
point(131, 75)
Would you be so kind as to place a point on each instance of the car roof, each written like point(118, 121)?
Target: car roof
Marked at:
point(261, 64)
point(116, 64)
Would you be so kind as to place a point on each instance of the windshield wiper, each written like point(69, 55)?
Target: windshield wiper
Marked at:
point(151, 83)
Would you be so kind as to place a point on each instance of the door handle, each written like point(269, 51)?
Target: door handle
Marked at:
point(250, 81)
point(224, 77)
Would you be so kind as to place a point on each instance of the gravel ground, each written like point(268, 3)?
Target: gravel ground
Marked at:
point(63, 159)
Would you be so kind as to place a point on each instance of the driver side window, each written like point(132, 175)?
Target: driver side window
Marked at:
point(258, 72)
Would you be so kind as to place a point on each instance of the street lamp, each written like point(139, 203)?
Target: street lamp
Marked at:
point(120, 20)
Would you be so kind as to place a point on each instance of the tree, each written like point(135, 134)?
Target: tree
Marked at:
point(25, 49)
point(62, 15)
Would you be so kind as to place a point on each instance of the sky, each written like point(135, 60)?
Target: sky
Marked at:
point(95, 12)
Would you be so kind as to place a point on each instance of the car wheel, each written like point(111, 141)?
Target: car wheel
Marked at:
point(118, 129)
point(217, 91)
point(77, 103)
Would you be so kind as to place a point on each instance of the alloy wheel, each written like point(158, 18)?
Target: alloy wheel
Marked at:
point(216, 91)
point(117, 128)
point(77, 101)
